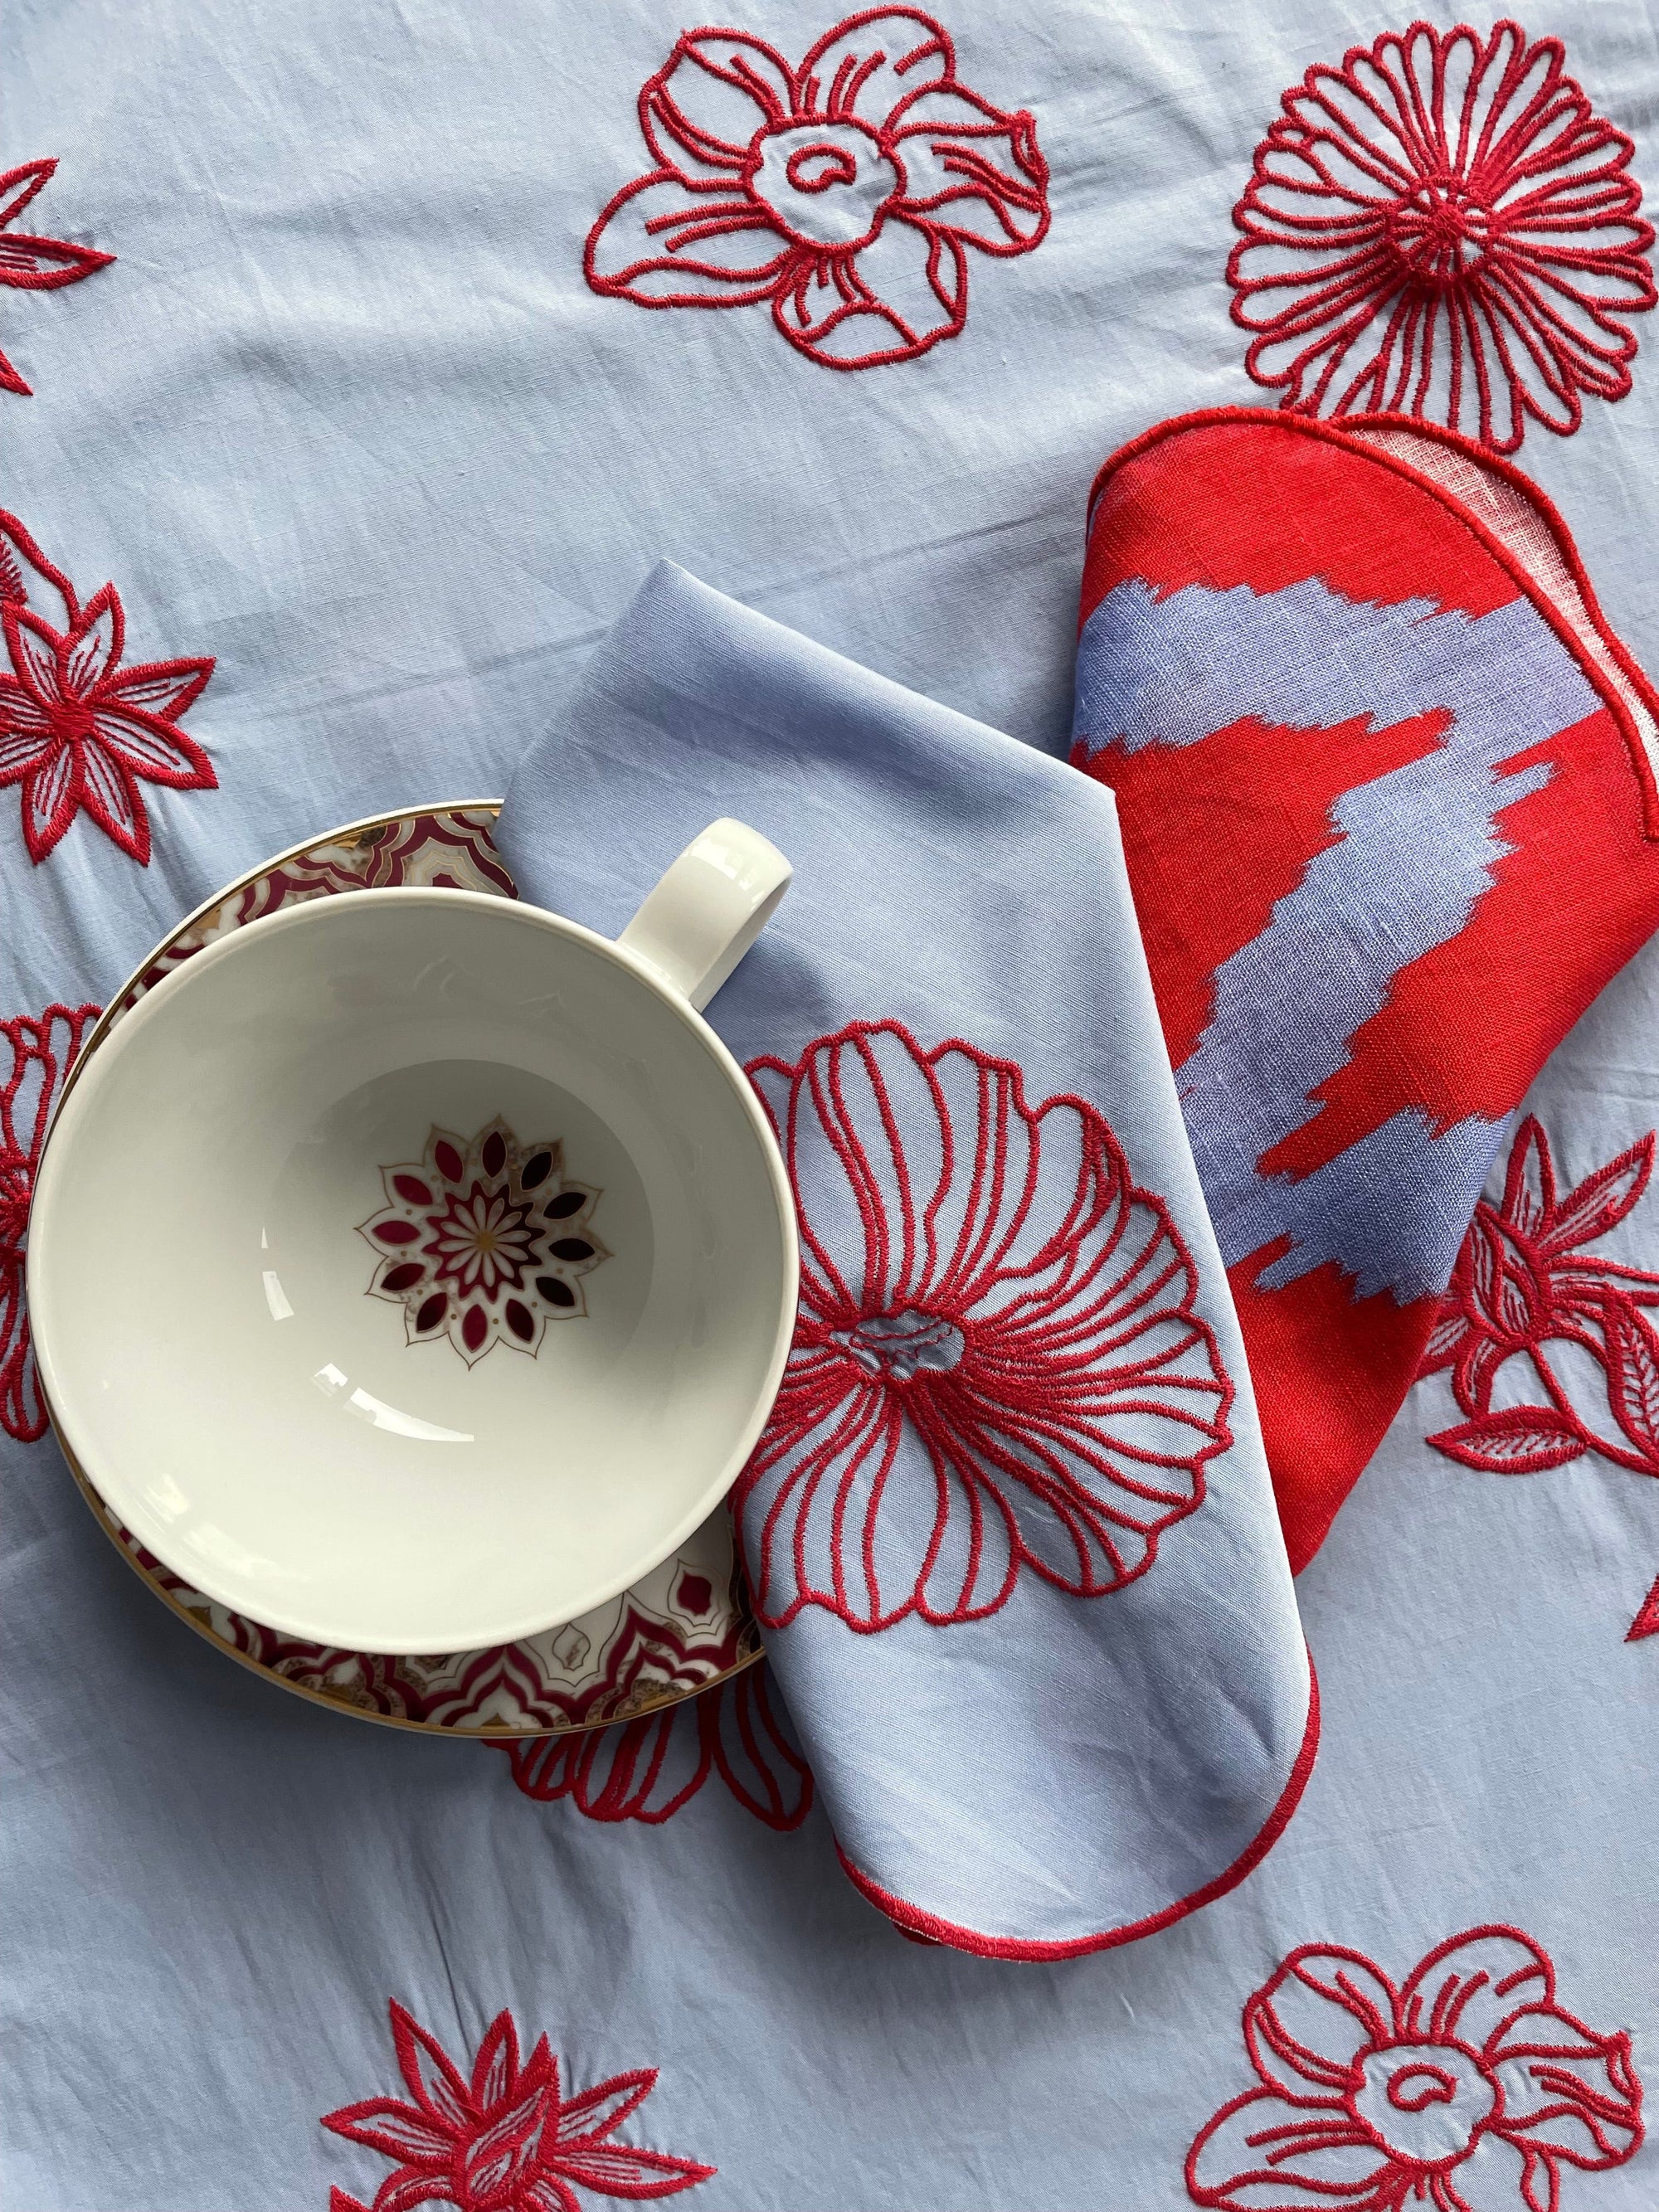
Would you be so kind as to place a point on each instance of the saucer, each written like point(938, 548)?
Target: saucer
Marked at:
point(679, 1628)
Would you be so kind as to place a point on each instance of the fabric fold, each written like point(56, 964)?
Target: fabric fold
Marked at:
point(1387, 785)
point(1010, 1529)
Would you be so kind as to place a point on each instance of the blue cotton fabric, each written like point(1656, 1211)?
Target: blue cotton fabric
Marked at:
point(1063, 1767)
point(344, 414)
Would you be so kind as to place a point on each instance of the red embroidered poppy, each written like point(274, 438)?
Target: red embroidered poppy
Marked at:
point(1523, 1284)
point(844, 192)
point(483, 1241)
point(35, 265)
point(34, 1058)
point(506, 2139)
point(997, 1363)
point(1444, 228)
point(78, 730)
point(649, 1768)
point(1467, 2089)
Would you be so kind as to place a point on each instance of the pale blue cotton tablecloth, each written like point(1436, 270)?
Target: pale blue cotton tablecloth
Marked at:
point(345, 414)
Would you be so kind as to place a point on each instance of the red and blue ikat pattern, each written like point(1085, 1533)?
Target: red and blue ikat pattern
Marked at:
point(1387, 823)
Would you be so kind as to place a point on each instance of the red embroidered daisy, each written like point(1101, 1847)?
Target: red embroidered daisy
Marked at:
point(997, 1363)
point(35, 1054)
point(1467, 2088)
point(78, 730)
point(1444, 228)
point(844, 192)
point(507, 2139)
point(35, 265)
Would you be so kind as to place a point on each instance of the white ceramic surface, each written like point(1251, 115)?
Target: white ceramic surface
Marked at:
point(209, 1299)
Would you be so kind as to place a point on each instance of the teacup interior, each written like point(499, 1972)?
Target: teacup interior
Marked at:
point(409, 1273)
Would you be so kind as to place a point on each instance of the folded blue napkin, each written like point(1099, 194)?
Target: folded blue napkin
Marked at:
point(1009, 1531)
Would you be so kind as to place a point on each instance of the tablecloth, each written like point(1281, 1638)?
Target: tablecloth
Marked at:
point(346, 415)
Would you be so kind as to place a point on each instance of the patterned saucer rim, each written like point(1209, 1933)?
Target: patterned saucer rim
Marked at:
point(338, 1702)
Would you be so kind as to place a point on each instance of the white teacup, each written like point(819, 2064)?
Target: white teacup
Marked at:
point(412, 1270)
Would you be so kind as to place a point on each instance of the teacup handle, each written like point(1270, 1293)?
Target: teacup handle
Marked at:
point(708, 910)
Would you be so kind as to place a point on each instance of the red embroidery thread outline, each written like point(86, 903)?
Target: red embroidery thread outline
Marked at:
point(1520, 1284)
point(629, 1772)
point(38, 1056)
point(938, 1345)
point(694, 159)
point(78, 730)
point(911, 1920)
point(506, 2139)
point(35, 265)
point(1324, 2102)
point(1442, 235)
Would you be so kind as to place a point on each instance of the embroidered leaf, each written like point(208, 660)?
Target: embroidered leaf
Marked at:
point(388, 2124)
point(34, 265)
point(615, 2169)
point(1633, 1377)
point(1445, 1340)
point(1529, 1180)
point(439, 2089)
point(495, 2070)
point(1602, 1199)
point(1515, 1440)
point(600, 2112)
point(505, 2155)
point(406, 2189)
point(1646, 1622)
point(19, 186)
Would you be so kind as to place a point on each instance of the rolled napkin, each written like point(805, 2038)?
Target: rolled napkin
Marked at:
point(1387, 788)
point(1010, 1530)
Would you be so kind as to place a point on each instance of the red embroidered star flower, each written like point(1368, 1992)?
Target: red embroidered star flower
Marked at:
point(998, 1363)
point(35, 265)
point(1466, 2090)
point(1444, 227)
point(508, 2140)
point(844, 192)
point(78, 730)
point(35, 1055)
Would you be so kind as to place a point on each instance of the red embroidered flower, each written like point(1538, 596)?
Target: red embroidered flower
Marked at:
point(77, 729)
point(34, 1059)
point(1443, 228)
point(647, 1770)
point(844, 192)
point(508, 2140)
point(1466, 2090)
point(483, 1241)
point(35, 265)
point(997, 1364)
point(1523, 1284)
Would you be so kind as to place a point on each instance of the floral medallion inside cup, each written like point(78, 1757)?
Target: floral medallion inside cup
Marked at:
point(503, 1217)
